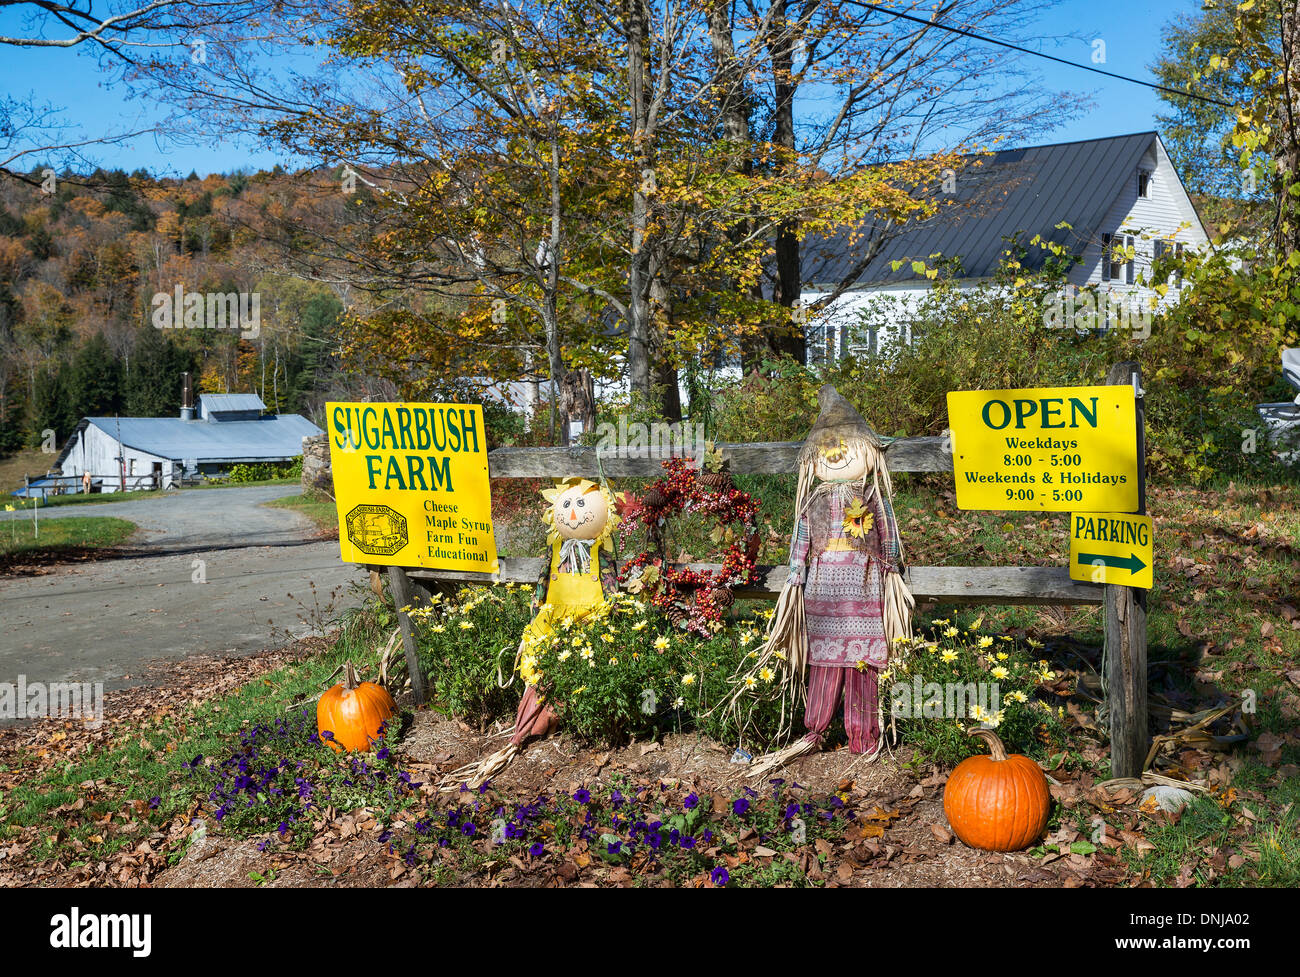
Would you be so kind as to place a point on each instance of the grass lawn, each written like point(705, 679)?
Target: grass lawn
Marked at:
point(317, 508)
point(27, 461)
point(18, 541)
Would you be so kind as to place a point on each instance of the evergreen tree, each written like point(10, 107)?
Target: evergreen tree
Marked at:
point(152, 387)
point(94, 380)
point(51, 408)
point(320, 316)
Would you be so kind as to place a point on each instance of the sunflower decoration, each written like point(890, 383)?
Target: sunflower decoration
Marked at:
point(858, 519)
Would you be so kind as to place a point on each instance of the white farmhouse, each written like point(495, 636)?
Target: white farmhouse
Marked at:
point(1115, 194)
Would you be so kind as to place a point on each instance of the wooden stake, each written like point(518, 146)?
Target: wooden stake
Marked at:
point(1125, 611)
point(403, 596)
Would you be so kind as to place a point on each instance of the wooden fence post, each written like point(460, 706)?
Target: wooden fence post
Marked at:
point(1125, 610)
point(403, 596)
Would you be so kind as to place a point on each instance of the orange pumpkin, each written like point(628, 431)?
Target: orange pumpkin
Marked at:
point(353, 712)
point(997, 802)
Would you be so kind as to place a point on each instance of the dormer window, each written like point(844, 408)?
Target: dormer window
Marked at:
point(1144, 184)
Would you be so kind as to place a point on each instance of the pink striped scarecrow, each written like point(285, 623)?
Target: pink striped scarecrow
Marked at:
point(844, 603)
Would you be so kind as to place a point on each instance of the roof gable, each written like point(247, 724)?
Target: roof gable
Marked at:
point(1018, 191)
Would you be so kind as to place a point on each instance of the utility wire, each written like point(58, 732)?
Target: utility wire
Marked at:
point(1039, 54)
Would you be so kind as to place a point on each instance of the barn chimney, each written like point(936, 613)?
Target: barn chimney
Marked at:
point(187, 398)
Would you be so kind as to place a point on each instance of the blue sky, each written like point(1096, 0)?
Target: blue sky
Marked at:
point(1131, 32)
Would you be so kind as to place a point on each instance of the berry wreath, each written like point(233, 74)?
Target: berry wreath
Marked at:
point(694, 599)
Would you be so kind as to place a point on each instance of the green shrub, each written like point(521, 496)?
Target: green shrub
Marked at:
point(623, 672)
point(950, 660)
point(265, 471)
point(467, 648)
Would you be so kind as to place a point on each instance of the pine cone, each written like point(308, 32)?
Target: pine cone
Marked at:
point(653, 498)
point(722, 597)
point(677, 615)
point(719, 481)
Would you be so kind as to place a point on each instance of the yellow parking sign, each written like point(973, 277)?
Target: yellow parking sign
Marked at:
point(411, 485)
point(1111, 547)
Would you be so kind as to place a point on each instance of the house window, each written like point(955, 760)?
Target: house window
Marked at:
point(1165, 248)
point(1115, 266)
point(815, 340)
point(1144, 183)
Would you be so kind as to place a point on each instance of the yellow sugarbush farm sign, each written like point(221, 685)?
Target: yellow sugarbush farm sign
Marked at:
point(411, 485)
point(1047, 449)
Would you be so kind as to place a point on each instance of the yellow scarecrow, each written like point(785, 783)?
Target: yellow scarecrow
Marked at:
point(581, 518)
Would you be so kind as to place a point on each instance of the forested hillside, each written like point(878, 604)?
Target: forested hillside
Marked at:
point(79, 270)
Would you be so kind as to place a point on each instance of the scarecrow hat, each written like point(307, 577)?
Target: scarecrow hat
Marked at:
point(839, 423)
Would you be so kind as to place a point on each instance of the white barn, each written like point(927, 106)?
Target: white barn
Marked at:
point(1117, 191)
point(128, 453)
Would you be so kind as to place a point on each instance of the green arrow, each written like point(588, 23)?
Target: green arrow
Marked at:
point(1132, 563)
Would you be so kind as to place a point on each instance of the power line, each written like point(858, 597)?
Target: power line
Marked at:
point(1039, 54)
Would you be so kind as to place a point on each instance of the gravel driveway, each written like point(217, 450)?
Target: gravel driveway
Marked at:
point(212, 570)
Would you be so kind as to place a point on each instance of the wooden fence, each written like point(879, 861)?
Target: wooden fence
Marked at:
point(1125, 607)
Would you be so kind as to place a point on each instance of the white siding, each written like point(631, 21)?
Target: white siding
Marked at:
point(97, 452)
point(886, 310)
point(1166, 214)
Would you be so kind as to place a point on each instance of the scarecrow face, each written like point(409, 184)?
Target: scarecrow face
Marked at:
point(580, 514)
point(840, 463)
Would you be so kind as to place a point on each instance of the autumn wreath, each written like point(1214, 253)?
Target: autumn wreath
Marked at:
point(694, 599)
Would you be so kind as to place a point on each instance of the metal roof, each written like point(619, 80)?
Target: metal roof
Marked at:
point(1016, 191)
point(214, 403)
point(275, 437)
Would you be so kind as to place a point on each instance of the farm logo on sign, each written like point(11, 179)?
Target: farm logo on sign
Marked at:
point(376, 529)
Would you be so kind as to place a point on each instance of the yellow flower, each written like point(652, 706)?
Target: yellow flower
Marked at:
point(1034, 644)
point(1000, 673)
point(661, 642)
point(688, 679)
point(1002, 656)
point(565, 655)
point(766, 674)
point(640, 625)
point(937, 621)
point(858, 520)
point(1017, 696)
point(750, 681)
point(579, 690)
point(467, 625)
point(986, 642)
point(950, 632)
point(949, 655)
point(438, 628)
point(607, 637)
point(613, 661)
